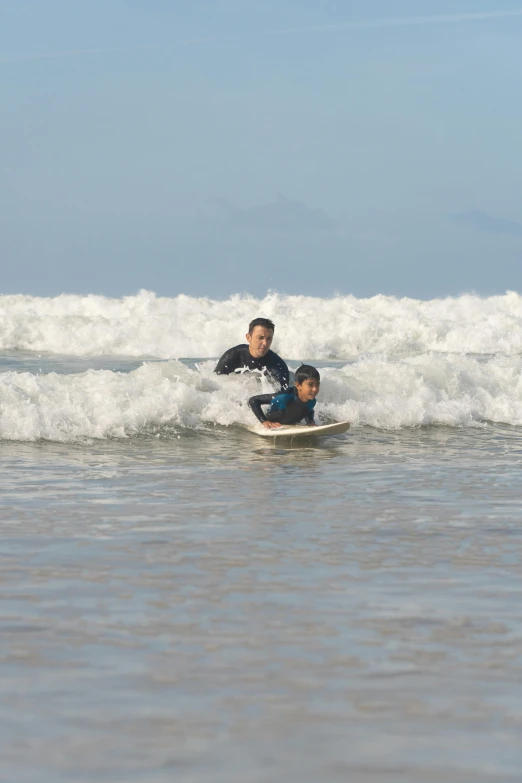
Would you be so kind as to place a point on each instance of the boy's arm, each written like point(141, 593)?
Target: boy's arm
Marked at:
point(255, 405)
point(310, 421)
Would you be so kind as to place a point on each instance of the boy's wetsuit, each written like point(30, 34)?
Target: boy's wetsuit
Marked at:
point(285, 407)
point(240, 356)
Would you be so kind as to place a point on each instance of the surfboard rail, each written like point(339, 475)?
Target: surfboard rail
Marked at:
point(300, 430)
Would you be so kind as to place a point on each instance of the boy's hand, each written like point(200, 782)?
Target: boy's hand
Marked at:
point(271, 425)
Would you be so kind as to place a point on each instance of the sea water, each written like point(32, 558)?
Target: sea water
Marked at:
point(184, 601)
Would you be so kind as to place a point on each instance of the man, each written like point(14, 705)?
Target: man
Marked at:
point(256, 354)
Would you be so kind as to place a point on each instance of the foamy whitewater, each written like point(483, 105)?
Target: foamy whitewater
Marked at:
point(185, 601)
point(341, 328)
point(385, 362)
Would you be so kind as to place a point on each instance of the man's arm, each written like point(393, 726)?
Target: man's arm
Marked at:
point(279, 371)
point(228, 362)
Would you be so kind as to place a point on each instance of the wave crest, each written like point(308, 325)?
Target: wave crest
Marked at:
point(169, 397)
point(342, 328)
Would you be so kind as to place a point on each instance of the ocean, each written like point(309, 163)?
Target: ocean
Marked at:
point(182, 600)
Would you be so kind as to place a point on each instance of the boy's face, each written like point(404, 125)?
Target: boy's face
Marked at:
point(308, 390)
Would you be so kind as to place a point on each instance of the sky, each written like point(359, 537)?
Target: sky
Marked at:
point(233, 146)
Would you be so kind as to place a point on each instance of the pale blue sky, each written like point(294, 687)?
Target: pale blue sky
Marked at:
point(218, 147)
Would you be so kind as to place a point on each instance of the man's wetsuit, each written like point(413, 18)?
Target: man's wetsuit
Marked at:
point(240, 356)
point(285, 407)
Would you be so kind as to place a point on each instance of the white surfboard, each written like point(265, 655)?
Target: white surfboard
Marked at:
point(300, 430)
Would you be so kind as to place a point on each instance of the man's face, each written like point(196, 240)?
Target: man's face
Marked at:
point(259, 341)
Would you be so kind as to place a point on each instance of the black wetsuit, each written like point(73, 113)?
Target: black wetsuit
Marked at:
point(240, 356)
point(285, 407)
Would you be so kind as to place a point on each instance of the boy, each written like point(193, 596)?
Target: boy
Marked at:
point(291, 405)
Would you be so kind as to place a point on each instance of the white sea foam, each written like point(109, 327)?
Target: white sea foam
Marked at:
point(306, 327)
point(167, 398)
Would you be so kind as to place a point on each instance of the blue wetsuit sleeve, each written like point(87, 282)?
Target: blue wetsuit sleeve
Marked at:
point(256, 402)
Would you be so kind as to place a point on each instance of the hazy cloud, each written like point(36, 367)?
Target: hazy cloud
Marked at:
point(490, 224)
point(368, 24)
point(361, 24)
point(18, 58)
point(402, 21)
point(283, 218)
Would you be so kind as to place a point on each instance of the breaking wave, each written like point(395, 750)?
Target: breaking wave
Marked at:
point(170, 397)
point(342, 328)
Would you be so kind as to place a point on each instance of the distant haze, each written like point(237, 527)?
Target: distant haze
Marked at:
point(306, 148)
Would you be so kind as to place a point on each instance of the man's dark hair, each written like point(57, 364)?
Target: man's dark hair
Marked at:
point(304, 372)
point(266, 323)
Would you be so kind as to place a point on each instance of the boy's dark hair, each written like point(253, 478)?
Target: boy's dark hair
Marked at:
point(265, 322)
point(304, 372)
